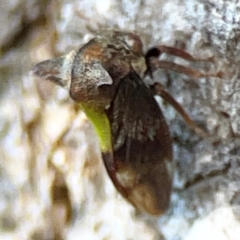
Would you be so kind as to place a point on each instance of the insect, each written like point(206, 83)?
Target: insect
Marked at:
point(105, 77)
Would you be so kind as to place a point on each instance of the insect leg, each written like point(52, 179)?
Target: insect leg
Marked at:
point(158, 90)
point(180, 53)
point(171, 66)
point(153, 62)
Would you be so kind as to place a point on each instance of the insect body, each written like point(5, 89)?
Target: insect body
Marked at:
point(106, 77)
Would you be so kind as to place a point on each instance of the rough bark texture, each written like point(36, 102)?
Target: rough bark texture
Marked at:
point(52, 181)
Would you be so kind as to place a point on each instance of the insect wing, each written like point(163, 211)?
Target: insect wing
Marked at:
point(142, 146)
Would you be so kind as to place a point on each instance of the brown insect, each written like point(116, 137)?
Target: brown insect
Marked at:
point(106, 76)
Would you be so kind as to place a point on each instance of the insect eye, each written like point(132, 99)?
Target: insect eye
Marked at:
point(134, 43)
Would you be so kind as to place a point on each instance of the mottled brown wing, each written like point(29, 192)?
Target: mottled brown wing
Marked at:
point(142, 146)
